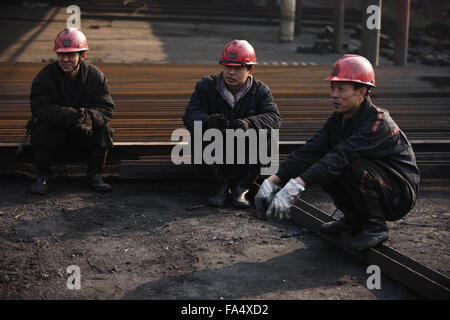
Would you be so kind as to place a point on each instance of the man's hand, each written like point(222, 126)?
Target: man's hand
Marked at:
point(217, 121)
point(264, 197)
point(83, 125)
point(240, 124)
point(96, 117)
point(280, 208)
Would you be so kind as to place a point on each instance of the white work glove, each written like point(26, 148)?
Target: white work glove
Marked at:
point(264, 197)
point(280, 208)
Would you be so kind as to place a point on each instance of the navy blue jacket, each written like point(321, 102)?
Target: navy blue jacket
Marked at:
point(257, 105)
point(371, 133)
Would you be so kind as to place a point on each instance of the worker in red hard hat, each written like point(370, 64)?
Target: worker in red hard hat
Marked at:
point(233, 99)
point(70, 47)
point(360, 157)
point(71, 108)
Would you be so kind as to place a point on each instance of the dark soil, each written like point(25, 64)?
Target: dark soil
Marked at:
point(150, 240)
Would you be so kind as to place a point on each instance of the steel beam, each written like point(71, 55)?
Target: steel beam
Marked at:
point(287, 20)
point(338, 25)
point(393, 264)
point(402, 32)
point(370, 35)
point(298, 17)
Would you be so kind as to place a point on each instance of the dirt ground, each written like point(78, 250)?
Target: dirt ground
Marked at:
point(141, 242)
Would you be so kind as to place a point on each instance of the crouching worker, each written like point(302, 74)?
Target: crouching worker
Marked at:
point(71, 103)
point(359, 157)
point(233, 99)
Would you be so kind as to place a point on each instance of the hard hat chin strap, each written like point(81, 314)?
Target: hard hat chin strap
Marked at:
point(79, 61)
point(74, 68)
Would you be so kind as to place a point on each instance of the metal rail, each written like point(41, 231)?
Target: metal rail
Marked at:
point(410, 273)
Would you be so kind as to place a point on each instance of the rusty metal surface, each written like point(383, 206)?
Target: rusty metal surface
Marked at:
point(151, 99)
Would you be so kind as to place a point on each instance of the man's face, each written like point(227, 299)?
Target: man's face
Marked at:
point(346, 99)
point(235, 77)
point(68, 60)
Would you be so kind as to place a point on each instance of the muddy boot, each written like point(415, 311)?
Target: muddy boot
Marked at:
point(40, 186)
point(240, 189)
point(220, 197)
point(96, 161)
point(374, 233)
point(96, 182)
point(238, 196)
point(43, 161)
point(344, 224)
point(96, 164)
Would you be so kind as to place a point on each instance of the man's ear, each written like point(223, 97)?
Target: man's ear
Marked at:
point(83, 55)
point(362, 92)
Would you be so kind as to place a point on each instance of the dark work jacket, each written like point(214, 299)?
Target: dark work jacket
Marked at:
point(257, 105)
point(371, 133)
point(54, 99)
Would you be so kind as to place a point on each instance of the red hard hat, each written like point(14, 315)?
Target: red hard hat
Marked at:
point(70, 40)
point(238, 53)
point(353, 68)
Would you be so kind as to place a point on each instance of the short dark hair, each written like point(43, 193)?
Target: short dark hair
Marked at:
point(357, 85)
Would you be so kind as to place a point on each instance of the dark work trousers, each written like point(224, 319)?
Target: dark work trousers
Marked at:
point(365, 190)
point(234, 174)
point(237, 175)
point(47, 141)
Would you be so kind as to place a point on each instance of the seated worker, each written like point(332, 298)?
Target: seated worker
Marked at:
point(359, 157)
point(72, 107)
point(233, 99)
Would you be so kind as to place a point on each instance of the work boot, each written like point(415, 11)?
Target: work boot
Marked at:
point(96, 161)
point(343, 224)
point(238, 196)
point(40, 186)
point(220, 197)
point(375, 232)
point(97, 183)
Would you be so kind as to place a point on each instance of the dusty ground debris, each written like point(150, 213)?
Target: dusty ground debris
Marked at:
point(140, 242)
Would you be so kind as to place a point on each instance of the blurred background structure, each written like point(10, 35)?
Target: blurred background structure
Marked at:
point(195, 31)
